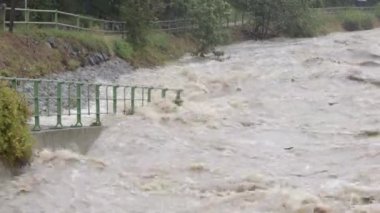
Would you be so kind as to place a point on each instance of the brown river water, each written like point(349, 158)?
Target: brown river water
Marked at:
point(279, 126)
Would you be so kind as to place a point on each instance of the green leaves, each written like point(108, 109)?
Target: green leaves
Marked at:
point(15, 138)
point(271, 18)
point(353, 20)
point(208, 16)
point(138, 16)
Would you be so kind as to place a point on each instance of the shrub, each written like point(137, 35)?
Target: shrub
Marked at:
point(207, 15)
point(300, 20)
point(271, 18)
point(15, 137)
point(377, 11)
point(158, 39)
point(353, 20)
point(138, 16)
point(123, 49)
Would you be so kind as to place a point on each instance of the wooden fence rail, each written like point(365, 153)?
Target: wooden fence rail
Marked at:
point(59, 19)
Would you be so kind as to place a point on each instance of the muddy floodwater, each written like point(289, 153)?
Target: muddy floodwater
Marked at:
point(279, 126)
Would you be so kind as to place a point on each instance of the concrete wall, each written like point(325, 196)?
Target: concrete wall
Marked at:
point(75, 139)
point(78, 140)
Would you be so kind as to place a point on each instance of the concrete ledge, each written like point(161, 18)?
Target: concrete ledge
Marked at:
point(75, 139)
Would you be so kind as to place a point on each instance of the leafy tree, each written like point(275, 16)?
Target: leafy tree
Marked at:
point(207, 16)
point(273, 17)
point(138, 16)
point(173, 9)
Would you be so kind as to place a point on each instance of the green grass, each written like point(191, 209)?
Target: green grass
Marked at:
point(90, 41)
point(353, 20)
point(122, 49)
point(161, 47)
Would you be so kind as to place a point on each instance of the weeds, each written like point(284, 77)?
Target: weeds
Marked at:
point(377, 11)
point(353, 20)
point(122, 49)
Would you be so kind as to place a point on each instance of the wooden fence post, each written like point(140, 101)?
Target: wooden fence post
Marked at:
point(56, 19)
point(78, 22)
point(2, 17)
point(27, 18)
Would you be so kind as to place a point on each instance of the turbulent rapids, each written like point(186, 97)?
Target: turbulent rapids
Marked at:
point(281, 126)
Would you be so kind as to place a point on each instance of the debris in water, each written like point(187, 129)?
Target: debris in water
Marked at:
point(24, 188)
point(198, 167)
point(364, 80)
point(157, 185)
point(289, 148)
point(369, 134)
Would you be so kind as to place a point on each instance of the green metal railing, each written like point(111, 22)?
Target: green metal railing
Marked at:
point(52, 100)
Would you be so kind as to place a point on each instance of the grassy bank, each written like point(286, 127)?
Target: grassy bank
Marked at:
point(37, 52)
point(160, 47)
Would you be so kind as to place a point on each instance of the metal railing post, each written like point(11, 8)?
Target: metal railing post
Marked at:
point(142, 96)
point(178, 101)
point(14, 84)
point(36, 89)
point(79, 106)
point(88, 99)
point(97, 105)
point(115, 99)
point(69, 98)
point(59, 106)
point(107, 99)
point(48, 100)
point(124, 100)
point(150, 95)
point(133, 90)
point(163, 93)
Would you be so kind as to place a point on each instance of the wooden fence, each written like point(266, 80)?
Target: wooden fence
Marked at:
point(59, 19)
point(63, 20)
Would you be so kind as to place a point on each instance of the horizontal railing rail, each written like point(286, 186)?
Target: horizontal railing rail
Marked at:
point(53, 102)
